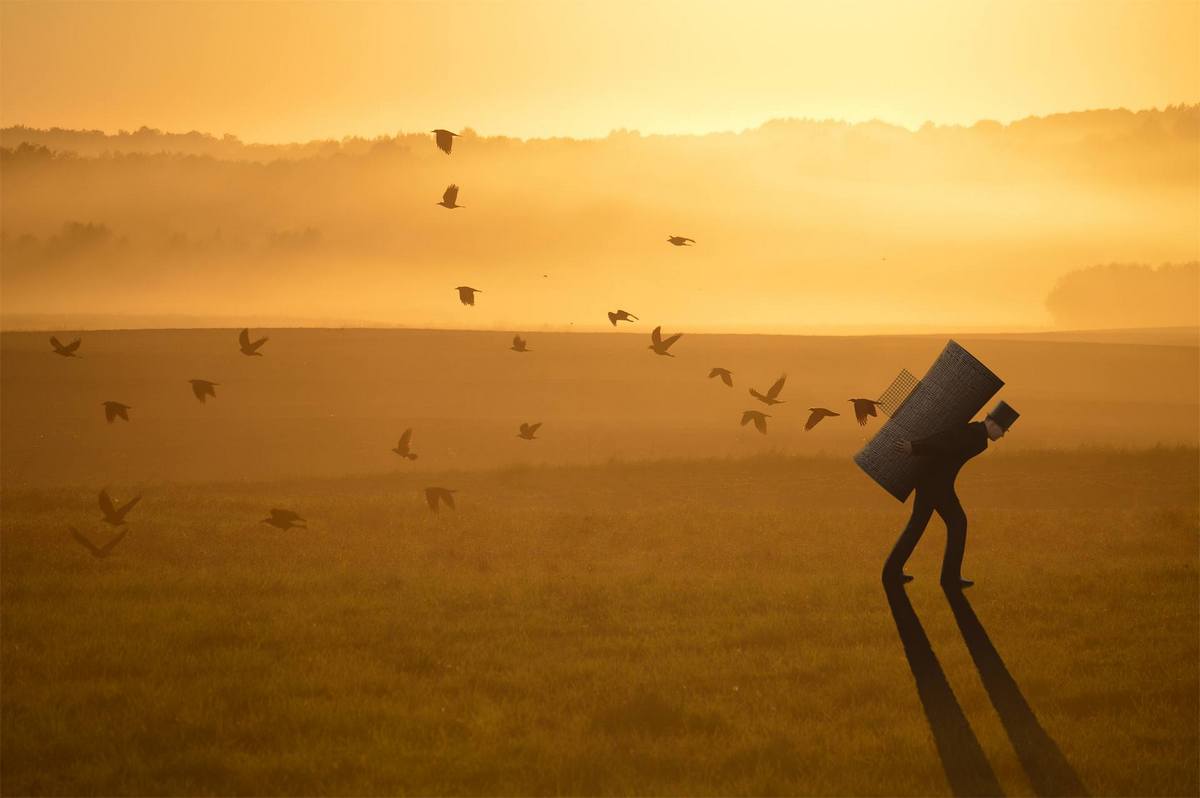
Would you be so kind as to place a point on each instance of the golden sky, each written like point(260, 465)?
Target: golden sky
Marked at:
point(285, 72)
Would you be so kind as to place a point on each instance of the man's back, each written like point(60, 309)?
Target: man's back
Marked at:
point(945, 452)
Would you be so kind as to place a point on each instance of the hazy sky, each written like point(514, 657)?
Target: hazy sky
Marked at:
point(279, 71)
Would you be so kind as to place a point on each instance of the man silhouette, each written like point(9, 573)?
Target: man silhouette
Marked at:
point(944, 454)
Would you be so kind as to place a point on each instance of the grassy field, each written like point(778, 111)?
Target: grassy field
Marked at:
point(679, 627)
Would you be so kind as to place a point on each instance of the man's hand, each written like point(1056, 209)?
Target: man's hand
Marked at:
point(902, 446)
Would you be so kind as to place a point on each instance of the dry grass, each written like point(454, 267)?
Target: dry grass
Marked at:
point(686, 627)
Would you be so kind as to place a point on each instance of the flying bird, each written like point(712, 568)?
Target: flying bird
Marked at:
point(681, 241)
point(659, 344)
point(528, 430)
point(814, 418)
point(203, 388)
point(725, 374)
point(99, 552)
point(112, 514)
point(434, 495)
point(113, 410)
point(450, 197)
point(466, 294)
point(758, 417)
point(519, 344)
point(402, 448)
point(285, 520)
point(66, 351)
point(863, 408)
point(621, 315)
point(249, 347)
point(772, 395)
point(444, 139)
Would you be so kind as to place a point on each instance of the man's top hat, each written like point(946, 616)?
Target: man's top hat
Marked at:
point(1003, 415)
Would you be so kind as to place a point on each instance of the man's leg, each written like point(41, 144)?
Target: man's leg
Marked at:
point(951, 511)
point(893, 568)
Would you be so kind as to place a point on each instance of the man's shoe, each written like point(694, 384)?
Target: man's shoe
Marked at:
point(958, 584)
point(896, 579)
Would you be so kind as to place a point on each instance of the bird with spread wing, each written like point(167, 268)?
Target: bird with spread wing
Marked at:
point(659, 344)
point(725, 374)
point(815, 416)
point(66, 350)
point(620, 315)
point(435, 495)
point(444, 139)
point(115, 410)
point(450, 198)
point(771, 397)
point(864, 408)
point(113, 515)
point(204, 388)
point(248, 347)
point(403, 448)
point(758, 417)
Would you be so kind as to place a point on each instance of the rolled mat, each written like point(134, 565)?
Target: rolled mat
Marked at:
point(955, 388)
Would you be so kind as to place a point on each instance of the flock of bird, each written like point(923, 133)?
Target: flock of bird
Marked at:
point(436, 496)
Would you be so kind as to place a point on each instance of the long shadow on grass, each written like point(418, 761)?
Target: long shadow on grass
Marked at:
point(967, 769)
point(1048, 770)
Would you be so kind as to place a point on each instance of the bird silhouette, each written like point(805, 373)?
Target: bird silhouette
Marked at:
point(66, 351)
point(402, 448)
point(681, 241)
point(659, 344)
point(863, 408)
point(444, 139)
point(114, 410)
point(99, 552)
point(285, 520)
point(758, 417)
point(203, 388)
point(450, 197)
point(815, 416)
point(772, 395)
point(466, 294)
point(519, 344)
point(528, 430)
point(248, 347)
point(725, 374)
point(114, 515)
point(621, 315)
point(434, 495)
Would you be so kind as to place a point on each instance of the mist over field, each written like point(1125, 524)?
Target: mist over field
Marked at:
point(801, 225)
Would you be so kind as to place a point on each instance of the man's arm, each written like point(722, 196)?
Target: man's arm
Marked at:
point(948, 441)
point(939, 443)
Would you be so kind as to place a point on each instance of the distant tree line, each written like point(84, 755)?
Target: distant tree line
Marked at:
point(1128, 295)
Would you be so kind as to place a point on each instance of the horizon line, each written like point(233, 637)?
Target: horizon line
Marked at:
point(1183, 104)
point(816, 331)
